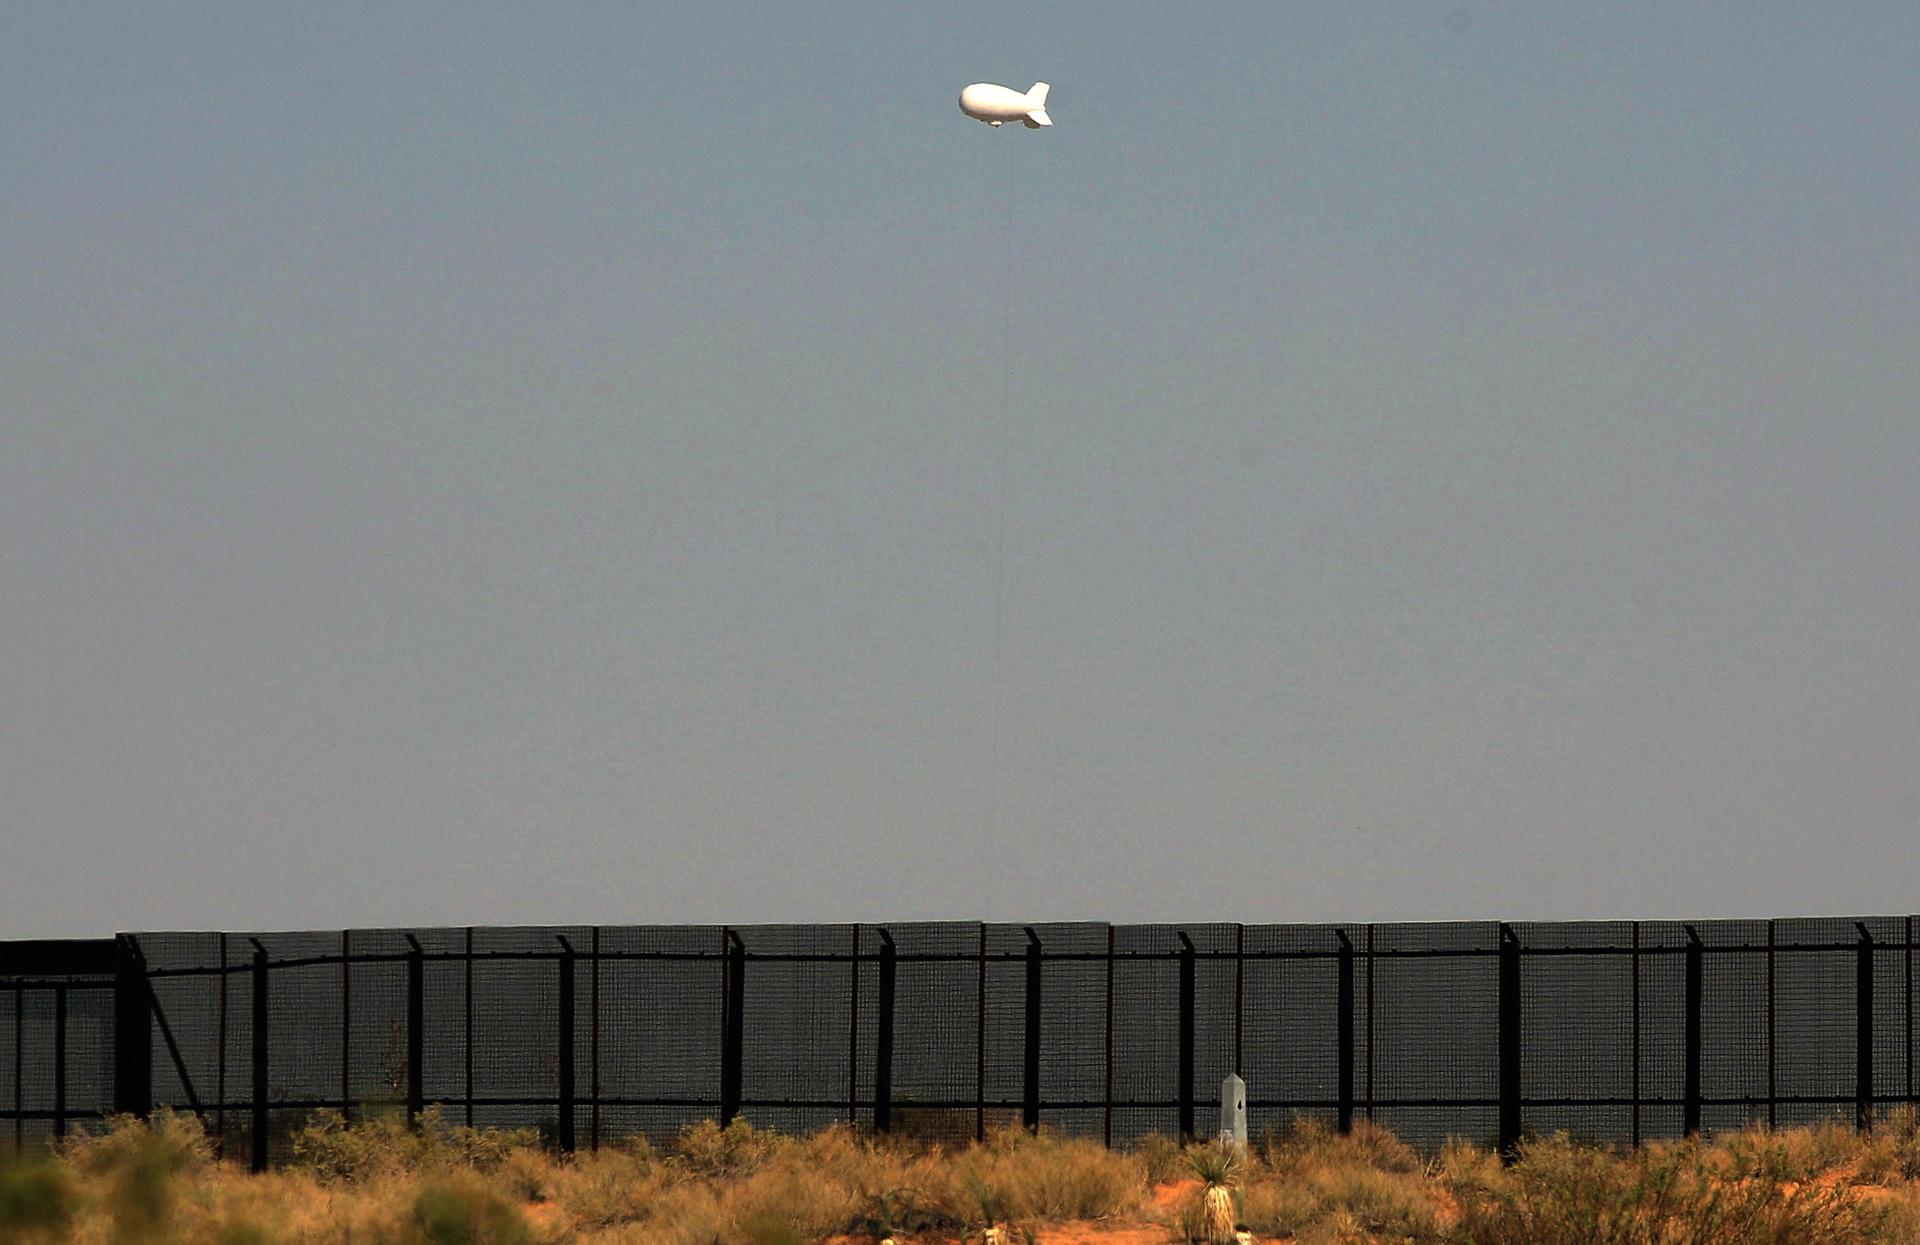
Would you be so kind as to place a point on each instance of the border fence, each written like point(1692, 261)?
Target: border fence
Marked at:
point(1611, 1031)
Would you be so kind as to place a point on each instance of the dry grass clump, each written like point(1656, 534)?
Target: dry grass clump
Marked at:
point(739, 1183)
point(1161, 1158)
point(1308, 1143)
point(1316, 1184)
point(1891, 1152)
point(616, 1185)
point(1035, 1176)
point(331, 1148)
point(378, 1184)
point(1796, 1154)
point(1562, 1193)
point(1341, 1201)
point(1831, 1150)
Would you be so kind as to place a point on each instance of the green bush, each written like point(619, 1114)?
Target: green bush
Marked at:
point(461, 1209)
point(142, 1165)
point(36, 1200)
point(334, 1149)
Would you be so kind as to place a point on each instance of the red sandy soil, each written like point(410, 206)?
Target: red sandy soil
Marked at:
point(546, 1216)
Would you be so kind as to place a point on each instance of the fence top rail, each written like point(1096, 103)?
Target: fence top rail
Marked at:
point(559, 953)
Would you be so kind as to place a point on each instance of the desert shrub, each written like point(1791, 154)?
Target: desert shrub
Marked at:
point(1462, 1168)
point(228, 1206)
point(1277, 1208)
point(1161, 1158)
point(1754, 1153)
point(814, 1203)
point(1830, 1148)
point(462, 1208)
point(1018, 1175)
point(1565, 1193)
point(240, 1232)
point(1055, 1178)
point(616, 1185)
point(1307, 1143)
point(769, 1226)
point(1892, 1151)
point(708, 1150)
point(528, 1175)
point(36, 1199)
point(1331, 1202)
point(332, 1148)
point(684, 1213)
point(894, 1212)
point(1386, 1203)
point(140, 1167)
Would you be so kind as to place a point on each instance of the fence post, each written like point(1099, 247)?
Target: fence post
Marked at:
point(1690, 1091)
point(980, 1041)
point(466, 1039)
point(1773, 1032)
point(853, 1029)
point(593, 1039)
point(1239, 997)
point(257, 1142)
point(19, 1079)
point(220, 1067)
point(1371, 1064)
point(1343, 1022)
point(1509, 971)
point(735, 1035)
point(1635, 987)
point(416, 1031)
point(19, 1069)
point(1106, 1083)
point(1186, 1036)
point(1030, 1110)
point(346, 1026)
point(883, 1041)
point(60, 1060)
point(1863, 1031)
point(563, 1131)
point(132, 1031)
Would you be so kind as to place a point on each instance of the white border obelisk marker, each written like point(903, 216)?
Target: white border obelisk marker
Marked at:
point(1233, 1112)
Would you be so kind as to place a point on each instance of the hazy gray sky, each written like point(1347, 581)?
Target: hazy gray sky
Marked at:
point(482, 467)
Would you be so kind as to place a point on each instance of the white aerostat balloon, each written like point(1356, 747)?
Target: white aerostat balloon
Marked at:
point(996, 105)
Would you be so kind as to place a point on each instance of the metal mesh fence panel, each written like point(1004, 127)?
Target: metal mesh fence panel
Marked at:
point(1290, 1022)
point(1815, 1019)
point(796, 1024)
point(515, 1041)
point(937, 1029)
point(1576, 1026)
point(1733, 1023)
point(660, 1027)
point(1072, 1047)
point(1146, 1057)
point(1661, 973)
point(1435, 1033)
point(38, 1091)
point(1612, 1031)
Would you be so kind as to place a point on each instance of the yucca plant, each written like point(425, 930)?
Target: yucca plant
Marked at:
point(993, 1210)
point(1219, 1168)
point(889, 1213)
